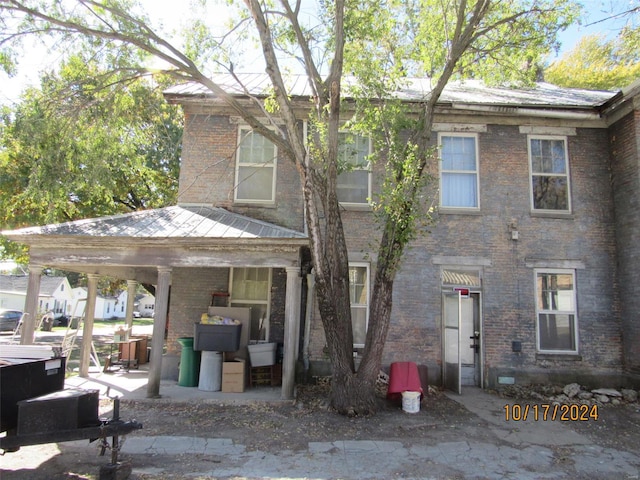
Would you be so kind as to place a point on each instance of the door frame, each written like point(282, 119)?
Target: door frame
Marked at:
point(462, 292)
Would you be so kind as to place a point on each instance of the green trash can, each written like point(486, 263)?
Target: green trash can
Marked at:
point(189, 363)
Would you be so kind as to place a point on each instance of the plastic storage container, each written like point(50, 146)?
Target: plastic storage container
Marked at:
point(217, 338)
point(262, 354)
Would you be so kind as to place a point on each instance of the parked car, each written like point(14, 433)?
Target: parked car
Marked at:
point(61, 321)
point(137, 314)
point(9, 319)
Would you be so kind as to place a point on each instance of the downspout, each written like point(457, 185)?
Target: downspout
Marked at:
point(307, 320)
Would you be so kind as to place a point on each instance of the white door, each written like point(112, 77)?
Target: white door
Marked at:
point(462, 364)
point(452, 365)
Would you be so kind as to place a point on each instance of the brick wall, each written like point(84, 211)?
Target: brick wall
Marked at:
point(208, 173)
point(624, 137)
point(585, 239)
point(191, 290)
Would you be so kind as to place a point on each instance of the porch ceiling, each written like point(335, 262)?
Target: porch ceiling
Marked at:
point(132, 246)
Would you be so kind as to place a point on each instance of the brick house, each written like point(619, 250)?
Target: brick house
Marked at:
point(525, 277)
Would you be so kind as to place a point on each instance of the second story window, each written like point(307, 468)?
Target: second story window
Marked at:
point(354, 183)
point(549, 174)
point(255, 168)
point(458, 171)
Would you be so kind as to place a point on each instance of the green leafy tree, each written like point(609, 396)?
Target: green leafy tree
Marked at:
point(88, 142)
point(599, 63)
point(380, 43)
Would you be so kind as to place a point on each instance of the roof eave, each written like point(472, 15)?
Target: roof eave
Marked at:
point(75, 241)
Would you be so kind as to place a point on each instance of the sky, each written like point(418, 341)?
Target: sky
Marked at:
point(166, 13)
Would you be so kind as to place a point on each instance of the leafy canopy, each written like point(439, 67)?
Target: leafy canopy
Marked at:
point(87, 143)
point(599, 63)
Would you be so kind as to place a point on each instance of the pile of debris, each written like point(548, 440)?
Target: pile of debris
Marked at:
point(571, 393)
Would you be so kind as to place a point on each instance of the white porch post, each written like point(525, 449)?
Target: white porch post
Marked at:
point(131, 297)
point(87, 325)
point(291, 331)
point(159, 325)
point(31, 305)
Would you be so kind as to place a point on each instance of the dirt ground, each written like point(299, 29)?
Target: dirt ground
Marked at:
point(277, 427)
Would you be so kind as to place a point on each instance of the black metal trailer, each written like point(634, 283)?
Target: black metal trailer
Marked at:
point(35, 408)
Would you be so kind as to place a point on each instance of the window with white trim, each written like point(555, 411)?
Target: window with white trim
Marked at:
point(556, 311)
point(359, 298)
point(251, 287)
point(459, 176)
point(255, 168)
point(549, 167)
point(354, 183)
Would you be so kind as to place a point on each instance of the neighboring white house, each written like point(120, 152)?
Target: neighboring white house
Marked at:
point(106, 307)
point(145, 304)
point(55, 294)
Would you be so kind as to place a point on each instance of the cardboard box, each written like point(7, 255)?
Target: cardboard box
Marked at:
point(233, 376)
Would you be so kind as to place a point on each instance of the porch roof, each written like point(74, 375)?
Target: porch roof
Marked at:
point(133, 246)
point(172, 224)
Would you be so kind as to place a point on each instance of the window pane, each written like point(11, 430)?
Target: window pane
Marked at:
point(548, 156)
point(461, 277)
point(250, 284)
point(458, 153)
point(255, 183)
point(557, 332)
point(459, 178)
point(459, 190)
point(353, 149)
point(555, 291)
point(353, 187)
point(353, 183)
point(254, 148)
point(359, 321)
point(550, 193)
point(358, 293)
point(250, 288)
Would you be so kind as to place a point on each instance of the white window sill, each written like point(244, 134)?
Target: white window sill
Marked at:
point(356, 207)
point(459, 211)
point(547, 214)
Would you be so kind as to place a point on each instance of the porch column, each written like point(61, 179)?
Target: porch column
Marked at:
point(159, 325)
point(31, 305)
point(291, 331)
point(87, 325)
point(132, 286)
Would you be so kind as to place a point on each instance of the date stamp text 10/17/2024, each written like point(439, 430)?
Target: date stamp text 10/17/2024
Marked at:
point(550, 412)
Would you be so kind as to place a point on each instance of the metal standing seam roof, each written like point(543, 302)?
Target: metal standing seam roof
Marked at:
point(416, 89)
point(168, 222)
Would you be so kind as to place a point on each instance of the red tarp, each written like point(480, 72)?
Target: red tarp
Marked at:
point(403, 377)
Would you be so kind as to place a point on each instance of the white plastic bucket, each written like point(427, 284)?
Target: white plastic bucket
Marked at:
point(411, 402)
